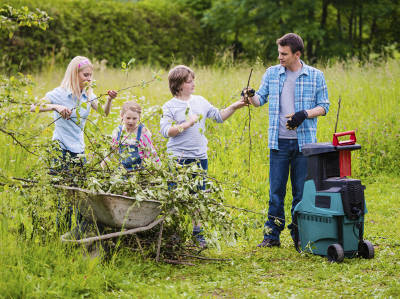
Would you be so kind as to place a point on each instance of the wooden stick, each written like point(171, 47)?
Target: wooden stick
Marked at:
point(178, 262)
point(206, 258)
point(140, 245)
point(159, 241)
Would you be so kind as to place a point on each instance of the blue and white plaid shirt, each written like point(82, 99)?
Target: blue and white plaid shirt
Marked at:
point(310, 92)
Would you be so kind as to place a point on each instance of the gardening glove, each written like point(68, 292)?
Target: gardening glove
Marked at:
point(296, 119)
point(247, 93)
point(250, 92)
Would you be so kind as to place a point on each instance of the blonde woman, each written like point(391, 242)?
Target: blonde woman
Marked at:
point(66, 99)
point(74, 93)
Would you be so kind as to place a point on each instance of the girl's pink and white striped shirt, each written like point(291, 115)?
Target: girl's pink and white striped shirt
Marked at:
point(146, 147)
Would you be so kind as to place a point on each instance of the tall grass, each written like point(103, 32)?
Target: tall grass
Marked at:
point(370, 104)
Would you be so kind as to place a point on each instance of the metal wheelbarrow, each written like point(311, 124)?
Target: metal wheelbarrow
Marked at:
point(116, 211)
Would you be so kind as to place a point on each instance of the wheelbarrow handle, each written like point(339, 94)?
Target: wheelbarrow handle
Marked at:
point(352, 140)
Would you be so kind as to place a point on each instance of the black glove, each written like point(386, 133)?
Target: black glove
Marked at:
point(249, 93)
point(296, 120)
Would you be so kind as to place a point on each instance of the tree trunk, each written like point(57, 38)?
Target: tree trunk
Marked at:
point(373, 31)
point(324, 17)
point(309, 47)
point(339, 24)
point(360, 24)
point(237, 46)
point(350, 31)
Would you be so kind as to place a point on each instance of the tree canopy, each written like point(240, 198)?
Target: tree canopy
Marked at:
point(197, 31)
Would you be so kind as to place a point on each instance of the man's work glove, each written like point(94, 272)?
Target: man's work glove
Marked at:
point(247, 93)
point(250, 92)
point(296, 119)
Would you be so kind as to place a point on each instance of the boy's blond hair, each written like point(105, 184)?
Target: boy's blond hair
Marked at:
point(71, 79)
point(132, 106)
point(177, 76)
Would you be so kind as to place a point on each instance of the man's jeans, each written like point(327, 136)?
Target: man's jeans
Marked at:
point(287, 157)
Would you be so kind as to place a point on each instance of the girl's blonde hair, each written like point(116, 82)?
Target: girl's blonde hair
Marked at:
point(132, 106)
point(177, 76)
point(71, 79)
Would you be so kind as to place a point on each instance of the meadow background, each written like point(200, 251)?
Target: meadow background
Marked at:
point(35, 264)
point(46, 268)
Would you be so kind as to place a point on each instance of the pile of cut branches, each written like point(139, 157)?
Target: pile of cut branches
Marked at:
point(176, 187)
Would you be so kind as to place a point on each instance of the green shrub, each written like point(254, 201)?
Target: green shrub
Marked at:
point(157, 33)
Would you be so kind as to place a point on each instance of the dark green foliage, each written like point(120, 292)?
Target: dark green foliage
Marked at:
point(203, 32)
point(330, 29)
point(155, 33)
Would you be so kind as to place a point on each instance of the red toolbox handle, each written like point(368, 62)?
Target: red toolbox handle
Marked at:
point(352, 140)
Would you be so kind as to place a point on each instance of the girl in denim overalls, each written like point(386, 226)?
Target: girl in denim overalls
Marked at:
point(134, 138)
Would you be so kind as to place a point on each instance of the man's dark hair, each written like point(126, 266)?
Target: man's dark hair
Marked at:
point(293, 41)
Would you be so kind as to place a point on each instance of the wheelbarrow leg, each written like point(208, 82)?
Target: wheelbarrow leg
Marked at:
point(159, 241)
point(139, 244)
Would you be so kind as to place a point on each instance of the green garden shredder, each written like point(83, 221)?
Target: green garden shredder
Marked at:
point(329, 220)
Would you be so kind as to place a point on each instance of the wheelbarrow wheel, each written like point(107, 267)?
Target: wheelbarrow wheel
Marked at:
point(335, 253)
point(366, 249)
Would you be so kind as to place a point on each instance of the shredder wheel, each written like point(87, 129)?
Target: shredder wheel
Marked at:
point(335, 253)
point(366, 249)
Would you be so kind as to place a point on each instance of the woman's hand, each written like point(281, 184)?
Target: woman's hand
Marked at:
point(112, 94)
point(63, 111)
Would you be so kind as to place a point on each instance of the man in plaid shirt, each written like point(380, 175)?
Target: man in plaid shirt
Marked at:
point(297, 95)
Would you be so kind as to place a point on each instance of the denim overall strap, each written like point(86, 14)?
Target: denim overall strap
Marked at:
point(118, 138)
point(134, 160)
point(139, 133)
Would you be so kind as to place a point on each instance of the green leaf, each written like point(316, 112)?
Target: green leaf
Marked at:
point(131, 61)
point(84, 105)
point(78, 117)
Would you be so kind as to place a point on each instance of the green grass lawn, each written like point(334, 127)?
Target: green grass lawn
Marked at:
point(37, 268)
point(29, 269)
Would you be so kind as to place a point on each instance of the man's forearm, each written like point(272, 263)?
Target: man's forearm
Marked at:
point(315, 112)
point(255, 101)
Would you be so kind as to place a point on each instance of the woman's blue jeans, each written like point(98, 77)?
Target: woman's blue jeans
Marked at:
point(65, 156)
point(287, 159)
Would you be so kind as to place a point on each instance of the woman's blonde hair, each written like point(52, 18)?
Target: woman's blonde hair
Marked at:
point(132, 106)
point(177, 76)
point(71, 79)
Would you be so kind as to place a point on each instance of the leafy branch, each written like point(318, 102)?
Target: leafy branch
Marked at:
point(13, 18)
